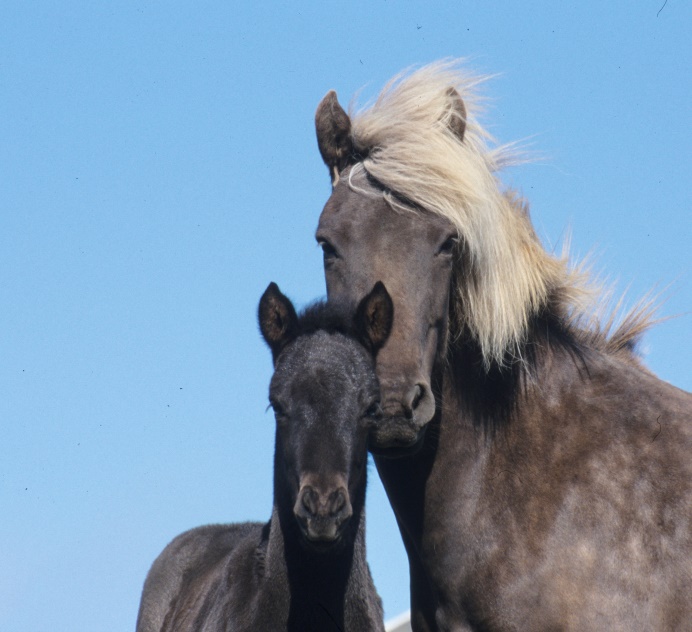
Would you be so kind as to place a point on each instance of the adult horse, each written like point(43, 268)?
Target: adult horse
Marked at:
point(543, 478)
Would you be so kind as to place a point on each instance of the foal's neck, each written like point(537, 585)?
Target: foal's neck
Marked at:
point(321, 585)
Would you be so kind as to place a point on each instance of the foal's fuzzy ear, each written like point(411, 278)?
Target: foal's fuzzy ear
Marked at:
point(457, 113)
point(333, 135)
point(277, 319)
point(374, 317)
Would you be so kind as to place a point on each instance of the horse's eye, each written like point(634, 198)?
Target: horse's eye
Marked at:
point(447, 248)
point(328, 251)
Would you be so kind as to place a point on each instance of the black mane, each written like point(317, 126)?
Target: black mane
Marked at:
point(331, 317)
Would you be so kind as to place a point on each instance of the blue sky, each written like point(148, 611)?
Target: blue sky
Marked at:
point(158, 168)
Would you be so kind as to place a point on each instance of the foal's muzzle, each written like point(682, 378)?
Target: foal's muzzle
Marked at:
point(322, 515)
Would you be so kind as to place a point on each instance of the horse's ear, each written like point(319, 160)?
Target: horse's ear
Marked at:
point(457, 113)
point(374, 317)
point(333, 135)
point(277, 319)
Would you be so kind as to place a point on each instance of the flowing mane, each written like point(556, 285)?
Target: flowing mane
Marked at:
point(406, 141)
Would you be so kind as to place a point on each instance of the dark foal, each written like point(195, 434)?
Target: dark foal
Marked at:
point(304, 570)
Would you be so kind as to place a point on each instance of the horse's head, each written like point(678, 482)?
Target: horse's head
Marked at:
point(368, 233)
point(416, 203)
point(364, 240)
point(325, 397)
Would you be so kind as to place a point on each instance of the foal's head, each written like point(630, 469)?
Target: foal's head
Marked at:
point(325, 397)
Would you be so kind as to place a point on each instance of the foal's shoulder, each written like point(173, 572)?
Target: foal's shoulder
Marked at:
point(183, 559)
point(209, 541)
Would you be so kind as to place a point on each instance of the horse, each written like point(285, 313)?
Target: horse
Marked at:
point(540, 475)
point(304, 570)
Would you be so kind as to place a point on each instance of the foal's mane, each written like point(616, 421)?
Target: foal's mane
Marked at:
point(505, 278)
point(330, 317)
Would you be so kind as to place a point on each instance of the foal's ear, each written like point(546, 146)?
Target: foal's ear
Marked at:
point(333, 135)
point(374, 317)
point(277, 319)
point(457, 113)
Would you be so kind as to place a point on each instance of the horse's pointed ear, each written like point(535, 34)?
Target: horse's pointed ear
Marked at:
point(277, 319)
point(333, 135)
point(457, 113)
point(374, 317)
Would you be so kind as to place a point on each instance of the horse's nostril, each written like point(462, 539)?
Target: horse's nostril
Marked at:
point(418, 393)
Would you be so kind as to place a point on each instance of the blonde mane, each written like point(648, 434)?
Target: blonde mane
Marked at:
point(505, 276)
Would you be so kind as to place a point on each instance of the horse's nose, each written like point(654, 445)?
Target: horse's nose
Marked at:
point(413, 399)
point(414, 403)
point(406, 411)
point(322, 512)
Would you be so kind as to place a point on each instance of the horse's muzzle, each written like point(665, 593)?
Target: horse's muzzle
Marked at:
point(397, 436)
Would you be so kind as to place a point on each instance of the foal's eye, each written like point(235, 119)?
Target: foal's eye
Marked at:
point(328, 251)
point(448, 246)
point(279, 411)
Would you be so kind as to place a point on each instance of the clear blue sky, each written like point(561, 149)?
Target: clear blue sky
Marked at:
point(158, 168)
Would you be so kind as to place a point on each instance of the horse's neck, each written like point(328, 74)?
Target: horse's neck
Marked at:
point(449, 442)
point(473, 430)
point(472, 415)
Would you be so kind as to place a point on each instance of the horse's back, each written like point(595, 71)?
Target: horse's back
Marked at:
point(186, 556)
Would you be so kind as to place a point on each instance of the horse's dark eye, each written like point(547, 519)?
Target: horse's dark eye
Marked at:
point(448, 246)
point(328, 251)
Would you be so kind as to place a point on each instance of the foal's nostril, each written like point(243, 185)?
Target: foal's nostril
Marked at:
point(309, 500)
point(337, 500)
point(311, 504)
